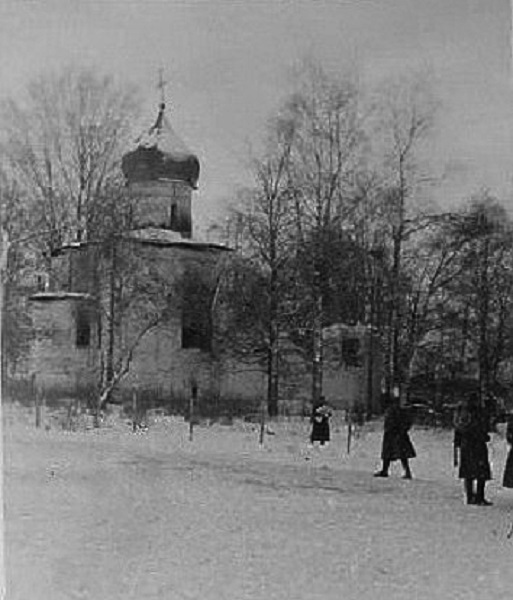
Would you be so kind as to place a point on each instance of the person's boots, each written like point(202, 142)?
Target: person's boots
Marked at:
point(407, 470)
point(384, 470)
point(469, 491)
point(480, 497)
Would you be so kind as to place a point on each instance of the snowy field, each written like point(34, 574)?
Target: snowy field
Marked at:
point(110, 514)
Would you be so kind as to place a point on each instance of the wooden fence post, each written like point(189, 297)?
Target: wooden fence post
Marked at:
point(70, 417)
point(263, 410)
point(38, 407)
point(43, 405)
point(349, 429)
point(192, 401)
point(134, 410)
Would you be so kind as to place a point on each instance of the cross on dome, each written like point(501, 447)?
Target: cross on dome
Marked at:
point(160, 153)
point(161, 85)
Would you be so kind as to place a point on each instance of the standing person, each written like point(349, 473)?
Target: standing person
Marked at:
point(396, 444)
point(470, 440)
point(507, 479)
point(320, 419)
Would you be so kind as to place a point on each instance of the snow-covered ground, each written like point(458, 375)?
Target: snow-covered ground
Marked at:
point(110, 514)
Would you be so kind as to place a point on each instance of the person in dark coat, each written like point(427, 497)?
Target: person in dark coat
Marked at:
point(320, 419)
point(470, 441)
point(507, 479)
point(397, 444)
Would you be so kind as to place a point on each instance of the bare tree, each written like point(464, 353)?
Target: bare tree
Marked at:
point(324, 156)
point(137, 297)
point(484, 281)
point(430, 261)
point(21, 257)
point(63, 141)
point(265, 216)
point(61, 145)
point(458, 276)
point(405, 112)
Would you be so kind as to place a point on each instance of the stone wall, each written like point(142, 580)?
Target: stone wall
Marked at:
point(162, 204)
point(353, 367)
point(75, 268)
point(151, 269)
point(56, 361)
point(159, 360)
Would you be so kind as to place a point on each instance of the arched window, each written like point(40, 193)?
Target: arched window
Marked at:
point(83, 327)
point(173, 219)
point(351, 352)
point(196, 315)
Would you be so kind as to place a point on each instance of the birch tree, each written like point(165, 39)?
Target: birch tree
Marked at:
point(263, 219)
point(20, 260)
point(405, 113)
point(324, 157)
point(61, 144)
point(484, 283)
point(63, 141)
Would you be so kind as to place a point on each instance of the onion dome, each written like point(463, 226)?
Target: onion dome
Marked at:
point(161, 154)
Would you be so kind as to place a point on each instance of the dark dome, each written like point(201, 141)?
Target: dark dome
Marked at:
point(161, 154)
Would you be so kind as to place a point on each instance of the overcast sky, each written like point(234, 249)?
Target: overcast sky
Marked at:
point(228, 63)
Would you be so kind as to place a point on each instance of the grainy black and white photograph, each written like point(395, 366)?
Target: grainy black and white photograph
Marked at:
point(256, 295)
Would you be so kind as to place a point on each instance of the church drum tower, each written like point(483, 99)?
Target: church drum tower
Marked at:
point(161, 174)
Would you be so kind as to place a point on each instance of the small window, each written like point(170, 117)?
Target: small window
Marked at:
point(351, 352)
point(173, 223)
point(196, 335)
point(196, 326)
point(196, 317)
point(83, 329)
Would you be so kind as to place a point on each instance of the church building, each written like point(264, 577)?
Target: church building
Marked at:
point(136, 310)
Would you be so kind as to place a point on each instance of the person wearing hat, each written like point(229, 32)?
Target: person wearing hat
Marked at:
point(396, 444)
point(320, 419)
point(471, 451)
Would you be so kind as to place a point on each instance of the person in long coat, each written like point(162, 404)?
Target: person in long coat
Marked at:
point(320, 419)
point(396, 444)
point(507, 478)
point(470, 441)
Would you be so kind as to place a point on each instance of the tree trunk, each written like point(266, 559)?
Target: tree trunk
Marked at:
point(192, 407)
point(317, 362)
point(272, 378)
point(464, 339)
point(4, 250)
point(273, 349)
point(395, 310)
point(109, 366)
point(370, 344)
point(484, 292)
